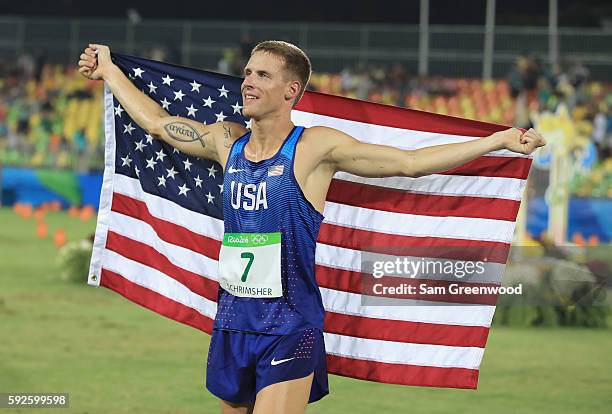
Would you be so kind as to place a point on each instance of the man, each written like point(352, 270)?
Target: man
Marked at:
point(267, 353)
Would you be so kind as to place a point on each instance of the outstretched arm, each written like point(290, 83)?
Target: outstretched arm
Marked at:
point(370, 160)
point(187, 135)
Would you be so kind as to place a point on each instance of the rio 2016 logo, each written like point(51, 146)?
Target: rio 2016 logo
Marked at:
point(259, 239)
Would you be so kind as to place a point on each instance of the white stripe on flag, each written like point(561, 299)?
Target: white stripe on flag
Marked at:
point(386, 135)
point(403, 353)
point(449, 185)
point(106, 192)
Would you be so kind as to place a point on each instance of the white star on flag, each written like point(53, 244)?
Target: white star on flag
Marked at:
point(236, 108)
point(161, 154)
point(208, 102)
point(165, 103)
point(220, 188)
point(191, 110)
point(138, 72)
point(151, 163)
point(137, 171)
point(198, 181)
point(149, 138)
point(118, 110)
point(128, 128)
point(167, 80)
point(187, 165)
point(222, 91)
point(212, 171)
point(210, 197)
point(179, 95)
point(126, 160)
point(162, 181)
point(195, 86)
point(171, 172)
point(248, 124)
point(175, 151)
point(152, 88)
point(220, 116)
point(183, 189)
point(140, 145)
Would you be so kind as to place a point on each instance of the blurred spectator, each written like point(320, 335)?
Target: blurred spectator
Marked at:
point(50, 116)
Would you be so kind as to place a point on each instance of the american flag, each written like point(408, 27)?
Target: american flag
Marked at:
point(160, 226)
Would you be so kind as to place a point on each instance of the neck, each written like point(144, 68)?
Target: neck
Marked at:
point(268, 134)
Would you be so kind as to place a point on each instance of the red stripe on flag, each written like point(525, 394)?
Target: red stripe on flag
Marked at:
point(393, 116)
point(167, 231)
point(154, 301)
point(402, 374)
point(400, 201)
point(148, 256)
point(492, 166)
point(376, 242)
point(362, 284)
point(405, 331)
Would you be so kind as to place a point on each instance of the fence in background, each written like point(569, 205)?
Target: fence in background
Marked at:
point(452, 50)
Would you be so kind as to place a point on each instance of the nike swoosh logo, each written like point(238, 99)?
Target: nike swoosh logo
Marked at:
point(280, 361)
point(232, 170)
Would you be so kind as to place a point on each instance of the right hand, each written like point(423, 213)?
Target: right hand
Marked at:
point(94, 61)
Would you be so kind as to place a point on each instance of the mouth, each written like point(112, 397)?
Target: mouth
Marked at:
point(249, 98)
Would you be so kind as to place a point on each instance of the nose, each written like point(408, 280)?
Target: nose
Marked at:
point(246, 83)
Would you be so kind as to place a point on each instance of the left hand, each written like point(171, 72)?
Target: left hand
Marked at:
point(524, 143)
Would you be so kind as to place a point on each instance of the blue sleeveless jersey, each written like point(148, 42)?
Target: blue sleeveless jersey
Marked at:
point(285, 210)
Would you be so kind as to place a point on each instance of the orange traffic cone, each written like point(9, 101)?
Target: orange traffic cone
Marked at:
point(578, 239)
point(59, 238)
point(27, 211)
point(41, 230)
point(593, 240)
point(86, 213)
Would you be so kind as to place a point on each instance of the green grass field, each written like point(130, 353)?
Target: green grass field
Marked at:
point(113, 356)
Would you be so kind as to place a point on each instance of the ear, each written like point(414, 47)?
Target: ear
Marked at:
point(293, 89)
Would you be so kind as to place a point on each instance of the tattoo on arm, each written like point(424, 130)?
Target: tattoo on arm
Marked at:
point(183, 132)
point(227, 142)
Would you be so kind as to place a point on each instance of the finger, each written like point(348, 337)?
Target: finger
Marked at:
point(86, 58)
point(526, 139)
point(86, 63)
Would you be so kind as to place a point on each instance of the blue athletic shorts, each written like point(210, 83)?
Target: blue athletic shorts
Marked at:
point(240, 364)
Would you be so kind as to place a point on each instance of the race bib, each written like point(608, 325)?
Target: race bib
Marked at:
point(249, 265)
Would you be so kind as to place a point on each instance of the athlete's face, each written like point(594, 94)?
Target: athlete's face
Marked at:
point(267, 86)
